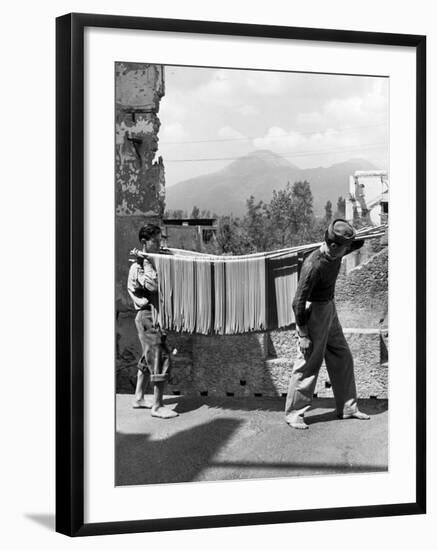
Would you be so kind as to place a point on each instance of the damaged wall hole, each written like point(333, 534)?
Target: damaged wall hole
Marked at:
point(137, 144)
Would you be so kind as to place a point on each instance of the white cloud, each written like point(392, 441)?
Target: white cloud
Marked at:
point(265, 82)
point(246, 110)
point(279, 140)
point(295, 143)
point(292, 113)
point(174, 108)
point(345, 109)
point(231, 87)
point(312, 119)
point(358, 110)
point(217, 90)
point(173, 132)
point(227, 132)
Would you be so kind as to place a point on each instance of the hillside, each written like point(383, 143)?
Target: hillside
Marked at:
point(258, 174)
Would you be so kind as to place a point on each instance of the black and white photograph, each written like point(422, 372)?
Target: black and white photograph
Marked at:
point(252, 212)
point(220, 213)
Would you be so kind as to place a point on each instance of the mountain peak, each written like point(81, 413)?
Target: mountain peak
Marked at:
point(263, 153)
point(268, 155)
point(264, 156)
point(259, 173)
point(366, 164)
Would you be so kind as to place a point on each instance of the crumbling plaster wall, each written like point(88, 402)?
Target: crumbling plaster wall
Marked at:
point(139, 178)
point(362, 294)
point(244, 365)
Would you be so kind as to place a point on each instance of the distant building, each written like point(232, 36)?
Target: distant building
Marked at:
point(368, 197)
point(198, 234)
point(367, 202)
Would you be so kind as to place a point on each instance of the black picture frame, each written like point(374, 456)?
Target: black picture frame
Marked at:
point(70, 273)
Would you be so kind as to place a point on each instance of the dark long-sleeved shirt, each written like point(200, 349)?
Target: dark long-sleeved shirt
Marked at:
point(317, 280)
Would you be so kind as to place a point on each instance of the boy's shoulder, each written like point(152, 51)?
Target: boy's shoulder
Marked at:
point(312, 261)
point(135, 267)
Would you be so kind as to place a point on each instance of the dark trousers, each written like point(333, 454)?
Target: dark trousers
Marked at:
point(329, 343)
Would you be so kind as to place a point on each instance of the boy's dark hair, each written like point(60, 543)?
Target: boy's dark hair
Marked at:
point(148, 231)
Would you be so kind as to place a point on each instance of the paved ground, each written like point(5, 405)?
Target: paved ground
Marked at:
point(230, 438)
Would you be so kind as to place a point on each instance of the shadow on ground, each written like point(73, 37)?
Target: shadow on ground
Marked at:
point(187, 404)
point(177, 458)
point(371, 407)
point(228, 439)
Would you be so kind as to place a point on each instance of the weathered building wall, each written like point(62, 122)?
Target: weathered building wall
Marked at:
point(257, 364)
point(139, 179)
point(362, 294)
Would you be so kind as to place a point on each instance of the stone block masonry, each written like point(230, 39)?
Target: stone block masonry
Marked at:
point(362, 295)
point(248, 365)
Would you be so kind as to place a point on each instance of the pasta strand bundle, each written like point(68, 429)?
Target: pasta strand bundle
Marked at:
point(208, 294)
point(222, 295)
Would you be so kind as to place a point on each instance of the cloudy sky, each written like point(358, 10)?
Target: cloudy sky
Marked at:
point(310, 119)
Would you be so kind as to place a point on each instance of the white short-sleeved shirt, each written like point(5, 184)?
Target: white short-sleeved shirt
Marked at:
point(142, 280)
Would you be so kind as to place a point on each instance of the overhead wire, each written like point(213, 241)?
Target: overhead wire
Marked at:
point(283, 136)
point(289, 155)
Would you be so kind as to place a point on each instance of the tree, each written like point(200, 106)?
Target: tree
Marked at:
point(282, 214)
point(328, 212)
point(195, 213)
point(287, 220)
point(302, 198)
point(341, 208)
point(256, 224)
point(175, 214)
point(231, 236)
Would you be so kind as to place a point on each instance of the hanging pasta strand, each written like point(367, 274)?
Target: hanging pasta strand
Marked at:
point(203, 296)
point(283, 273)
point(219, 297)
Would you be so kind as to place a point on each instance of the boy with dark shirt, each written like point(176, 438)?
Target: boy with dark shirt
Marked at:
point(319, 330)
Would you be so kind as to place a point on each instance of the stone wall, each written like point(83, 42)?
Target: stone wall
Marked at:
point(362, 294)
point(253, 364)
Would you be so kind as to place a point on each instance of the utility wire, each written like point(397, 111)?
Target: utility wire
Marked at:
point(249, 138)
point(292, 155)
